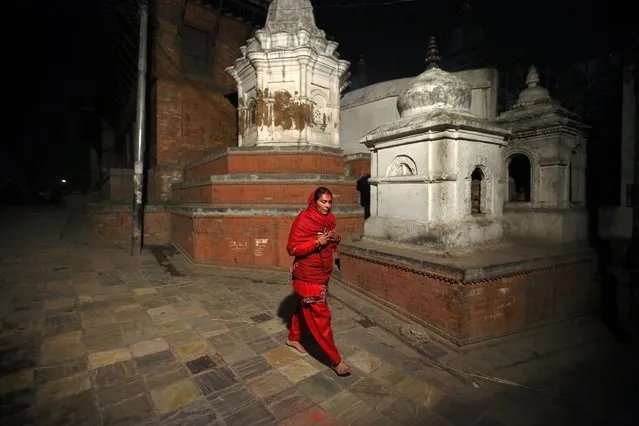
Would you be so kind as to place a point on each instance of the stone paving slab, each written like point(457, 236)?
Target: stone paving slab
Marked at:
point(94, 336)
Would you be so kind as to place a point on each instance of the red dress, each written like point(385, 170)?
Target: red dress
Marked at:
point(311, 271)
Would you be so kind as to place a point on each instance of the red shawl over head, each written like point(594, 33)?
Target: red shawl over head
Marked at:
point(311, 265)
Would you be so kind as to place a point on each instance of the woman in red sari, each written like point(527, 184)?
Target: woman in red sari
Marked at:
point(312, 241)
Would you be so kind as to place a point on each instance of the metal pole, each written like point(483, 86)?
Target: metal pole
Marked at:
point(138, 167)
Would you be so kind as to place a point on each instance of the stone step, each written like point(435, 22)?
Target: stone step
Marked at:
point(208, 210)
point(283, 189)
point(266, 160)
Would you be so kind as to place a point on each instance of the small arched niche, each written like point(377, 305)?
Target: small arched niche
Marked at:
point(519, 178)
point(476, 189)
point(319, 111)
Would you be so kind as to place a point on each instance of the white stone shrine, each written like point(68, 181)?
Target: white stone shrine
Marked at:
point(546, 166)
point(289, 81)
point(442, 198)
point(437, 171)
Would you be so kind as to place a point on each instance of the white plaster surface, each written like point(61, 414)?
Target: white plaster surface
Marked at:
point(434, 204)
point(289, 66)
point(559, 226)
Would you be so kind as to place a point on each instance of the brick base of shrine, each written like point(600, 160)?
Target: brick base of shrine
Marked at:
point(471, 297)
point(237, 206)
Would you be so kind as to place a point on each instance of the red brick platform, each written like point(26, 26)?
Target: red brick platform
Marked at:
point(237, 205)
point(258, 160)
point(470, 297)
point(237, 235)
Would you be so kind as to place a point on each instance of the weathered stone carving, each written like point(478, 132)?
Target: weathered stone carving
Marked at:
point(402, 165)
point(319, 112)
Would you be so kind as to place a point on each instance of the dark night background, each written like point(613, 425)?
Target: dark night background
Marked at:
point(57, 64)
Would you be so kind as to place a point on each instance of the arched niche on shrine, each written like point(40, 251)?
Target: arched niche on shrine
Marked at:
point(477, 191)
point(577, 175)
point(520, 178)
point(402, 165)
point(319, 110)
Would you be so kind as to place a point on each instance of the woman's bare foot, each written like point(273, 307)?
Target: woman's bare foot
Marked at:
point(342, 369)
point(297, 346)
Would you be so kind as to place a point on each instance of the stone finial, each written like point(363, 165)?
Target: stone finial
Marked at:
point(432, 54)
point(532, 79)
point(434, 89)
point(359, 78)
point(534, 92)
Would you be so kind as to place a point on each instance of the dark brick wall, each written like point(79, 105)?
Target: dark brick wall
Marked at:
point(193, 115)
point(112, 226)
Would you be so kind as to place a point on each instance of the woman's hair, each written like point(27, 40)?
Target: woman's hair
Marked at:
point(321, 191)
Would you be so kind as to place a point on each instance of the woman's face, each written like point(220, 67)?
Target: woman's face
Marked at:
point(324, 203)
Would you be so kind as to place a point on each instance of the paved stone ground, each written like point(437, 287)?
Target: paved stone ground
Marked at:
point(94, 336)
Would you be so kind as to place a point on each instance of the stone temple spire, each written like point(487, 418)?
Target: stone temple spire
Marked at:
point(466, 9)
point(434, 89)
point(289, 81)
point(432, 54)
point(359, 77)
point(534, 92)
point(290, 15)
point(465, 48)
